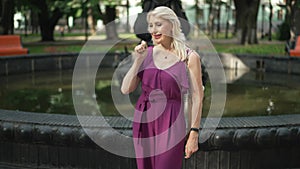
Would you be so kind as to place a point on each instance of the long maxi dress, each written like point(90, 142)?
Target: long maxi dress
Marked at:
point(159, 127)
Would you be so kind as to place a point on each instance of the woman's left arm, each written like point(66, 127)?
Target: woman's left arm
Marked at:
point(197, 93)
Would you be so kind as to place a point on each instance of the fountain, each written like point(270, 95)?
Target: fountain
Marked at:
point(44, 140)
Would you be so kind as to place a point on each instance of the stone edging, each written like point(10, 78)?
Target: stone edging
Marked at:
point(231, 133)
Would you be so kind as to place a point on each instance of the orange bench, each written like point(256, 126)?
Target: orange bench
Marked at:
point(11, 45)
point(296, 50)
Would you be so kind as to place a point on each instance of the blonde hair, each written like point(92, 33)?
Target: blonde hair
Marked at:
point(178, 37)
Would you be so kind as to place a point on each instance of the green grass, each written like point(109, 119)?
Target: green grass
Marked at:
point(259, 49)
point(221, 35)
point(53, 49)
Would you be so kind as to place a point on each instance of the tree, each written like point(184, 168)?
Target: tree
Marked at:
point(211, 18)
point(92, 10)
point(290, 27)
point(197, 15)
point(108, 17)
point(246, 19)
point(6, 16)
point(49, 12)
point(228, 8)
point(292, 12)
point(270, 20)
point(296, 24)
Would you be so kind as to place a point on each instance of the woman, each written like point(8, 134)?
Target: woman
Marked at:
point(159, 127)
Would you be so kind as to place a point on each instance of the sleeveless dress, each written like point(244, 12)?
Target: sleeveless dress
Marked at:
point(159, 127)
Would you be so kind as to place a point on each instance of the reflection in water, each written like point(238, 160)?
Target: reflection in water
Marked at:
point(259, 76)
point(248, 93)
point(270, 107)
point(235, 74)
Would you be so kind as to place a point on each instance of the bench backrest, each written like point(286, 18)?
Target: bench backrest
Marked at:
point(8, 41)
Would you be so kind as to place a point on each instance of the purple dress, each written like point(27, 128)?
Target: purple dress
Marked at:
point(159, 125)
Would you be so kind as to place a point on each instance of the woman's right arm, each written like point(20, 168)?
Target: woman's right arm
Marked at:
point(131, 80)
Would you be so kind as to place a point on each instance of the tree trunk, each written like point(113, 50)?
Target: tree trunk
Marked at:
point(46, 30)
point(270, 20)
point(91, 22)
point(228, 7)
point(253, 38)
point(296, 25)
point(211, 18)
point(197, 17)
point(294, 18)
point(34, 22)
point(7, 13)
point(47, 23)
point(219, 17)
point(246, 14)
point(108, 19)
point(110, 25)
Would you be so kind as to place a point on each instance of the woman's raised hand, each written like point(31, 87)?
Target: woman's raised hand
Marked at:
point(140, 51)
point(131, 80)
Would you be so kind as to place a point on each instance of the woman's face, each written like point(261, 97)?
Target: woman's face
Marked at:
point(160, 29)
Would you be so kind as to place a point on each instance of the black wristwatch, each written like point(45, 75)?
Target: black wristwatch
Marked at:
point(194, 129)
